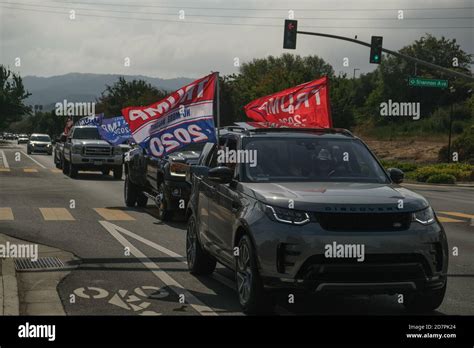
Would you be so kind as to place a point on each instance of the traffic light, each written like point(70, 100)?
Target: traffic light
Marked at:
point(376, 49)
point(289, 36)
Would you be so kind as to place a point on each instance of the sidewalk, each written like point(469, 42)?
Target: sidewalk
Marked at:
point(31, 292)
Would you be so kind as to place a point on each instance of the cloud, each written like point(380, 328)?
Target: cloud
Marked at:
point(52, 44)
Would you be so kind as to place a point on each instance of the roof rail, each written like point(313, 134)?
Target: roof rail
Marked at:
point(320, 130)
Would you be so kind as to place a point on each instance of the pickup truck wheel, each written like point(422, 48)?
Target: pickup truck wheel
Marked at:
point(425, 301)
point(199, 262)
point(164, 214)
point(252, 296)
point(142, 200)
point(118, 173)
point(65, 167)
point(72, 170)
point(130, 191)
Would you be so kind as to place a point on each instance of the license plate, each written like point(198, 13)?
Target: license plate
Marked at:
point(98, 163)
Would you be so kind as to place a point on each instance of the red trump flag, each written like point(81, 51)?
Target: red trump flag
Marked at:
point(306, 105)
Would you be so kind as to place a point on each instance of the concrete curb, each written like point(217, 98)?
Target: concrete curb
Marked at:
point(9, 291)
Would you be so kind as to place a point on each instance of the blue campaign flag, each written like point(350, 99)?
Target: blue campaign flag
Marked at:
point(115, 130)
point(93, 120)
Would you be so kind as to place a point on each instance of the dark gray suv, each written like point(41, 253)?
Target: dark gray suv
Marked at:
point(311, 210)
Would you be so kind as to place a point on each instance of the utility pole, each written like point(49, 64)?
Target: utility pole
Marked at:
point(354, 76)
point(451, 90)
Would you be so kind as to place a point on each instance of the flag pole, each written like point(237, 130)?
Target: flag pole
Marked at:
point(218, 109)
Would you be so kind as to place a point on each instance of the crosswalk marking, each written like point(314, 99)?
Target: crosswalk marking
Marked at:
point(454, 213)
point(4, 169)
point(30, 170)
point(6, 214)
point(113, 214)
point(55, 170)
point(57, 214)
point(4, 160)
point(447, 219)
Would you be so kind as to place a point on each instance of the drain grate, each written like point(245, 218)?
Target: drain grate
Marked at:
point(41, 263)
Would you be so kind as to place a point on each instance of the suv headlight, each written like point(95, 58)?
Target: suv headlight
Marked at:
point(178, 169)
point(77, 149)
point(287, 216)
point(425, 216)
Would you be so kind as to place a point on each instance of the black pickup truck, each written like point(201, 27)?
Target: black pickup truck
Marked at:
point(163, 180)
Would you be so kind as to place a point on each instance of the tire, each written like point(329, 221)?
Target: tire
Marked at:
point(28, 151)
point(105, 171)
point(118, 173)
point(199, 261)
point(425, 301)
point(72, 170)
point(129, 192)
point(142, 200)
point(65, 167)
point(252, 296)
point(164, 214)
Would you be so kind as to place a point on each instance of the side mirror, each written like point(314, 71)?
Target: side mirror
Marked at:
point(221, 175)
point(199, 170)
point(396, 175)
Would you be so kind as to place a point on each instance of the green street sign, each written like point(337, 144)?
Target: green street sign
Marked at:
point(420, 82)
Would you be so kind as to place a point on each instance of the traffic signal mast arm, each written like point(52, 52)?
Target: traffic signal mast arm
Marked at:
point(396, 54)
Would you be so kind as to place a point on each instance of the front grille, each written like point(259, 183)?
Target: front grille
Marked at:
point(375, 268)
point(97, 151)
point(364, 222)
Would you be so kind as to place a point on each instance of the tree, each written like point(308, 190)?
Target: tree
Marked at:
point(127, 93)
point(12, 96)
point(391, 77)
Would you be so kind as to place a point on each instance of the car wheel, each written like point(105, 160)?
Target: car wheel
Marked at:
point(105, 171)
point(199, 262)
point(252, 296)
point(129, 192)
point(164, 214)
point(28, 151)
point(118, 173)
point(425, 301)
point(72, 170)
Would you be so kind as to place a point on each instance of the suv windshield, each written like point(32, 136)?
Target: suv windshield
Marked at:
point(44, 138)
point(86, 133)
point(311, 159)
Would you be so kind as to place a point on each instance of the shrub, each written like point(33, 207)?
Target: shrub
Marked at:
point(441, 179)
point(405, 166)
point(463, 145)
point(460, 171)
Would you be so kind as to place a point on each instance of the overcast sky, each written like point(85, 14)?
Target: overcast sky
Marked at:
point(160, 44)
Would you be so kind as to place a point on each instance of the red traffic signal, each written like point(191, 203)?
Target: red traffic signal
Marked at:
point(289, 35)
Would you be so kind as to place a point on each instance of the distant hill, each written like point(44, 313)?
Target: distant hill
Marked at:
point(73, 87)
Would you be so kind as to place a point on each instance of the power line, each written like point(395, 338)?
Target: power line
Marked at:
point(266, 9)
point(228, 23)
point(232, 16)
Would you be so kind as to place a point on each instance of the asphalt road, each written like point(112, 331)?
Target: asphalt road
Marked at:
point(132, 263)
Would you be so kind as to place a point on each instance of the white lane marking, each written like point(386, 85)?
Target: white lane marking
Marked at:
point(151, 244)
point(4, 160)
point(220, 278)
point(31, 158)
point(116, 231)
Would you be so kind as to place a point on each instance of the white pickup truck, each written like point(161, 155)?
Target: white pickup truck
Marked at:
point(85, 150)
